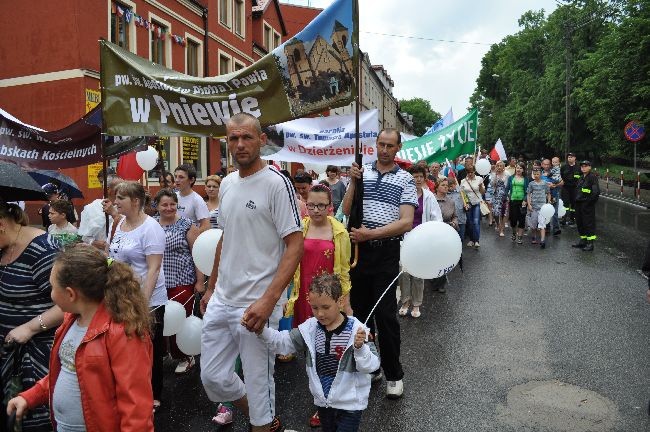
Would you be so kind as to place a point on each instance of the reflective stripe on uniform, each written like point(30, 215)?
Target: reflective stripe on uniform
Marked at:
point(590, 238)
point(576, 176)
point(585, 190)
point(583, 237)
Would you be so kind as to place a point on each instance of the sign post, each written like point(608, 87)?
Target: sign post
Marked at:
point(634, 132)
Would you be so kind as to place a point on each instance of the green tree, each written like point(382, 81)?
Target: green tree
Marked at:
point(423, 115)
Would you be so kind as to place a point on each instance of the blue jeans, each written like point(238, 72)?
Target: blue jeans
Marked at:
point(461, 231)
point(474, 222)
point(338, 420)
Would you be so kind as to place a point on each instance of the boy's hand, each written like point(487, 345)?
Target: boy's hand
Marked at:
point(359, 338)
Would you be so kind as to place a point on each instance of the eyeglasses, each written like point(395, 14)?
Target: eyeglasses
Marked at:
point(321, 207)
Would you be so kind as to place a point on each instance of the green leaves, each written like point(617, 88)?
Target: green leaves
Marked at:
point(423, 115)
point(521, 89)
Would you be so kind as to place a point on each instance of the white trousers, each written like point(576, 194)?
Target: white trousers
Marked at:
point(222, 339)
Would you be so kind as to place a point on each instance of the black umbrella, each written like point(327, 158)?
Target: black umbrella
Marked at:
point(64, 183)
point(17, 185)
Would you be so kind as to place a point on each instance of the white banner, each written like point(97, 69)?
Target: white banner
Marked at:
point(326, 140)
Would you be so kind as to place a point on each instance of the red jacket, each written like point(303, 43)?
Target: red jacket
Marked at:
point(114, 373)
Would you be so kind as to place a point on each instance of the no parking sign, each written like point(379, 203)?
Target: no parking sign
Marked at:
point(634, 131)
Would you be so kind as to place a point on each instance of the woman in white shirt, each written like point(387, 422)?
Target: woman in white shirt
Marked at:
point(474, 189)
point(140, 242)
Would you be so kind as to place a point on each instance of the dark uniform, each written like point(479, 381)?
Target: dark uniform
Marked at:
point(570, 176)
point(587, 191)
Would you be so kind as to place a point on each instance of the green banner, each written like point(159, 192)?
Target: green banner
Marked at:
point(310, 73)
point(457, 139)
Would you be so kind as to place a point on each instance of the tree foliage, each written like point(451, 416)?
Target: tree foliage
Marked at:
point(521, 88)
point(423, 115)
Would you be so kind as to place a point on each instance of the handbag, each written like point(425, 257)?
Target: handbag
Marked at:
point(14, 387)
point(485, 210)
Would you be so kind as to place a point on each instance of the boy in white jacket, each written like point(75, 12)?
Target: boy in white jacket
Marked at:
point(338, 359)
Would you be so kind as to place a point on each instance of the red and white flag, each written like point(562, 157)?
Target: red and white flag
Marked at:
point(498, 153)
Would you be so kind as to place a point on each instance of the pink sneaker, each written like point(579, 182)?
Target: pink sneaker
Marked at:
point(224, 415)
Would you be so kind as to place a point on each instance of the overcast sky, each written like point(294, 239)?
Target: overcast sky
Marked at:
point(444, 73)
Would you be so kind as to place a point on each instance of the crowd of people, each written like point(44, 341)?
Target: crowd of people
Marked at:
point(282, 281)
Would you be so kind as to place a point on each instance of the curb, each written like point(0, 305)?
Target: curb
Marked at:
point(630, 201)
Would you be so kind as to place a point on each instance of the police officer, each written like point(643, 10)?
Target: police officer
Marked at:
point(570, 174)
point(587, 192)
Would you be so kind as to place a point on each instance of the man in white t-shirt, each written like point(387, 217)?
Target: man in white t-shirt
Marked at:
point(190, 204)
point(255, 260)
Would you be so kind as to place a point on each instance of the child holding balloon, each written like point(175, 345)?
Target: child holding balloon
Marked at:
point(100, 365)
point(339, 361)
point(539, 194)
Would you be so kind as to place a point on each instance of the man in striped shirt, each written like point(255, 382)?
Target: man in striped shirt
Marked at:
point(389, 202)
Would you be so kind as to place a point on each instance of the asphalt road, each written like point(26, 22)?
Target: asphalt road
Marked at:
point(524, 340)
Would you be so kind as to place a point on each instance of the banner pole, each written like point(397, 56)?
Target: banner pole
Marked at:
point(357, 144)
point(105, 178)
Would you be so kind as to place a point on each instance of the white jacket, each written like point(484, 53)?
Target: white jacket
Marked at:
point(351, 385)
point(431, 210)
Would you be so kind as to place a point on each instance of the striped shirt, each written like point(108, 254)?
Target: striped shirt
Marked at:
point(330, 346)
point(383, 194)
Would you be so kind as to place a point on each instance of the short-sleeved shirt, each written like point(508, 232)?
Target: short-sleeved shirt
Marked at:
point(537, 192)
point(134, 246)
point(472, 189)
point(256, 213)
point(549, 178)
point(214, 216)
point(383, 194)
point(177, 260)
point(192, 207)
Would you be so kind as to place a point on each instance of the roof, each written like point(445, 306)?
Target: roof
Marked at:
point(338, 26)
point(260, 6)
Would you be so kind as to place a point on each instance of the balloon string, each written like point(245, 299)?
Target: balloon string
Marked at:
point(188, 300)
point(381, 297)
point(168, 300)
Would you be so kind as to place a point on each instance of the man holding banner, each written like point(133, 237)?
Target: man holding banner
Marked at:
point(389, 203)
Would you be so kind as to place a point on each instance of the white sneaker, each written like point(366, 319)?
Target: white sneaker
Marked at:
point(394, 389)
point(470, 243)
point(476, 245)
point(185, 365)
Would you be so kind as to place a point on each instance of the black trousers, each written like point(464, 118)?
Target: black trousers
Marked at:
point(586, 219)
point(569, 199)
point(376, 268)
point(517, 214)
point(159, 349)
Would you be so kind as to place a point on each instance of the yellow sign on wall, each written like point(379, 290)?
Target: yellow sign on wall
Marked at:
point(93, 97)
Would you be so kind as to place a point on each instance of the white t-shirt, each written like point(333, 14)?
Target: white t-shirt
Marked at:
point(67, 229)
point(255, 213)
point(132, 248)
point(472, 189)
point(192, 207)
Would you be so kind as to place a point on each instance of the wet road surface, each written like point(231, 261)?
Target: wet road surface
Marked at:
point(524, 340)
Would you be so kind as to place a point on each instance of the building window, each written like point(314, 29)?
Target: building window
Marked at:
point(193, 154)
point(268, 37)
point(158, 35)
point(276, 40)
point(239, 66)
point(120, 17)
point(224, 64)
point(240, 23)
point(162, 146)
point(192, 58)
point(225, 15)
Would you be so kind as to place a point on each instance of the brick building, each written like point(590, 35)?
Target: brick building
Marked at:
point(49, 58)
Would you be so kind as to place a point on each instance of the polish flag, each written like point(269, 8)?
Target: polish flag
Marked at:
point(498, 153)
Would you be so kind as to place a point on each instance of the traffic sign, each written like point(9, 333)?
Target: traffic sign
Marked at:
point(634, 131)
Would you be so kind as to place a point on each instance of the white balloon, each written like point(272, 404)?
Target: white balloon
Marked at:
point(431, 250)
point(147, 159)
point(483, 167)
point(561, 210)
point(174, 318)
point(188, 339)
point(205, 246)
point(547, 211)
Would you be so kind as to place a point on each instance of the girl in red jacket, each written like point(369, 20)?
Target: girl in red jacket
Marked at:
point(100, 366)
